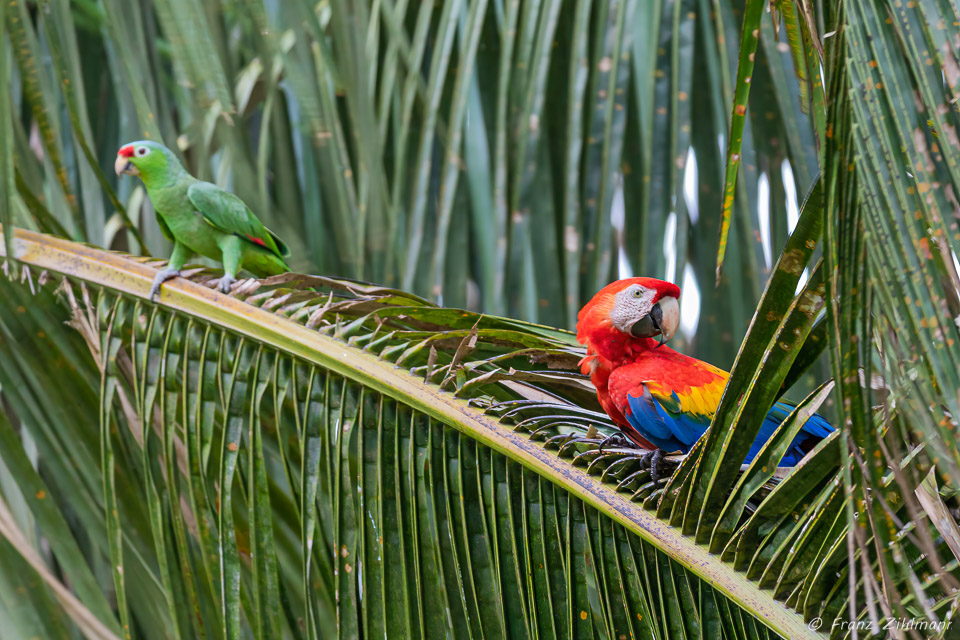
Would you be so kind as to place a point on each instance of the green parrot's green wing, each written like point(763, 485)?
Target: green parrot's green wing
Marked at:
point(227, 212)
point(165, 229)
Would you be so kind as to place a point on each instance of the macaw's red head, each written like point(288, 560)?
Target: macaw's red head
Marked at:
point(627, 314)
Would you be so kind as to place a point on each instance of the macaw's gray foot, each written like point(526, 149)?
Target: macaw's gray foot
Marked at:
point(653, 461)
point(225, 283)
point(617, 440)
point(162, 276)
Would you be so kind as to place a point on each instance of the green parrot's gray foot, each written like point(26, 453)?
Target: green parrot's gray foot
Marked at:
point(225, 283)
point(162, 276)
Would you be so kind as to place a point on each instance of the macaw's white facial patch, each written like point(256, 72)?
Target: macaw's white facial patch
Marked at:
point(630, 305)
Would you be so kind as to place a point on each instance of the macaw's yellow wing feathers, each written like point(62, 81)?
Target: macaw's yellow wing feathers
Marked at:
point(671, 401)
point(696, 401)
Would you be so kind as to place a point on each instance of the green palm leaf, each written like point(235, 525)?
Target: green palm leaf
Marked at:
point(504, 137)
point(294, 473)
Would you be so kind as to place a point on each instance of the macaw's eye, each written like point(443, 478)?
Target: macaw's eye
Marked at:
point(637, 293)
point(141, 151)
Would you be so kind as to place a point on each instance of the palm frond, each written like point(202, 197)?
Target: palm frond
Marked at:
point(317, 437)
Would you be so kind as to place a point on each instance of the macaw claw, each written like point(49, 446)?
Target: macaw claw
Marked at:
point(617, 440)
point(225, 283)
point(652, 461)
point(162, 276)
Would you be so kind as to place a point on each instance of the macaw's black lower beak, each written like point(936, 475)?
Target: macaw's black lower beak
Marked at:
point(650, 325)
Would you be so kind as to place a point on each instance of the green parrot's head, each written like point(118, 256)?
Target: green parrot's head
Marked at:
point(147, 159)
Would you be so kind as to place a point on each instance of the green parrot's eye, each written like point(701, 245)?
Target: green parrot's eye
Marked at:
point(141, 151)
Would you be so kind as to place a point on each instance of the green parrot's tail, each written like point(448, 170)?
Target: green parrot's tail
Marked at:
point(264, 263)
point(284, 249)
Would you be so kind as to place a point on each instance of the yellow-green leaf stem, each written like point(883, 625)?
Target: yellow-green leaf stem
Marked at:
point(129, 277)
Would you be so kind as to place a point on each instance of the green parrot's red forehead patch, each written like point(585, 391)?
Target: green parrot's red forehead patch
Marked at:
point(126, 152)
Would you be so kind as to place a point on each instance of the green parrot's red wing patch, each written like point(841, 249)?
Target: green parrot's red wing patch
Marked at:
point(229, 214)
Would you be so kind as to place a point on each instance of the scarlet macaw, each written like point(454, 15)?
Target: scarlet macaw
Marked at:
point(660, 398)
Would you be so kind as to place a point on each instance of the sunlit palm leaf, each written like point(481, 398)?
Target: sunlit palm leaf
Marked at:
point(446, 518)
point(347, 125)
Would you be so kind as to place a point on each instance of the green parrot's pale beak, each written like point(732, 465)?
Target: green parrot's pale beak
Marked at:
point(123, 165)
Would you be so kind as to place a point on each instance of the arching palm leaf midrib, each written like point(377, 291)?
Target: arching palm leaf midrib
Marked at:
point(495, 534)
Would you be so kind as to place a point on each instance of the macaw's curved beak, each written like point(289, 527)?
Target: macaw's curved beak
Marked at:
point(662, 320)
point(123, 165)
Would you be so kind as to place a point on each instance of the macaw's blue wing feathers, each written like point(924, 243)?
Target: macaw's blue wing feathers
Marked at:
point(813, 431)
point(662, 421)
point(816, 426)
point(227, 212)
point(671, 399)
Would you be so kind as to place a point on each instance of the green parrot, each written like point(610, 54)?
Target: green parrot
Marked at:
point(200, 217)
